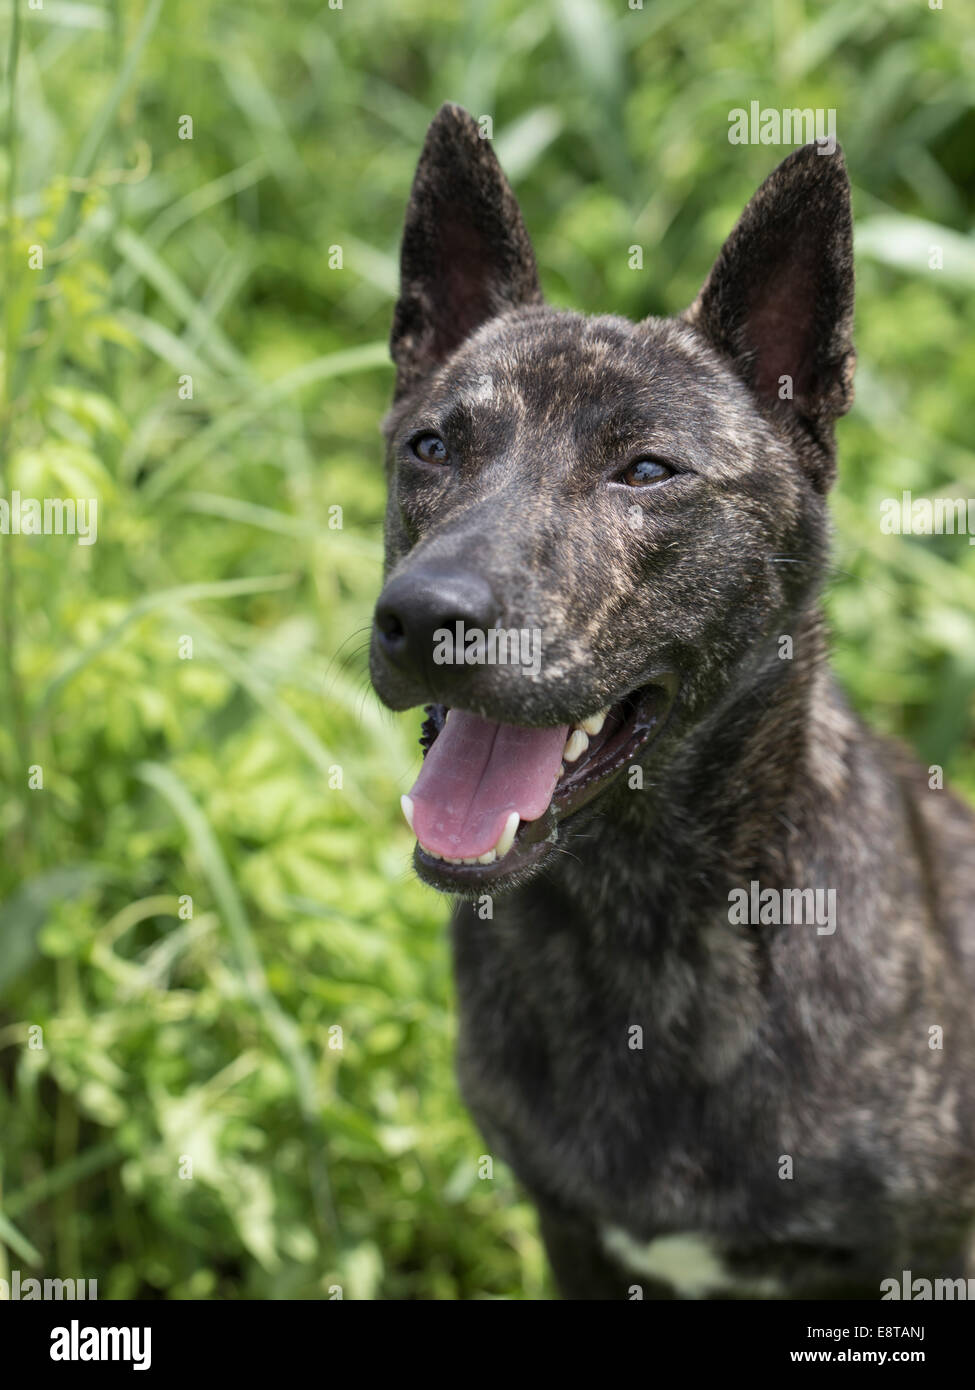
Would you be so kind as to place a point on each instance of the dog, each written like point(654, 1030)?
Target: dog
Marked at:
point(713, 941)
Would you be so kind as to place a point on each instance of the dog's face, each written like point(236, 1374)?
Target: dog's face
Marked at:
point(629, 513)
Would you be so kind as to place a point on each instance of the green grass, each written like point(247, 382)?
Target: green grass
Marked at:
point(211, 1036)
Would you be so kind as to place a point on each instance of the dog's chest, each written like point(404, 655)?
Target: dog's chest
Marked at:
point(601, 1132)
point(693, 1266)
point(618, 1161)
point(611, 1085)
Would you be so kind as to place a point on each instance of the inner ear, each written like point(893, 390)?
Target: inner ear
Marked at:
point(779, 332)
point(463, 296)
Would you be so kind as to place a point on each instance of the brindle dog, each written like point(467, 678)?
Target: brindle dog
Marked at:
point(792, 1092)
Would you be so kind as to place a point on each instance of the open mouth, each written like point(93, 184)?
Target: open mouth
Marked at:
point(490, 797)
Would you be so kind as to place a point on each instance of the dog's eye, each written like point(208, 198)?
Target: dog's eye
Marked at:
point(645, 472)
point(430, 448)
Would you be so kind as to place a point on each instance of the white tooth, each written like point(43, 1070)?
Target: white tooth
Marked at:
point(593, 725)
point(488, 858)
point(407, 805)
point(432, 852)
point(576, 745)
point(470, 861)
point(507, 835)
point(561, 769)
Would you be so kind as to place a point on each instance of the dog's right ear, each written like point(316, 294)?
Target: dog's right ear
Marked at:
point(466, 255)
point(779, 299)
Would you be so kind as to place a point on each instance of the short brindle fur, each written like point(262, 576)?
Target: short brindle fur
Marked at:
point(759, 1042)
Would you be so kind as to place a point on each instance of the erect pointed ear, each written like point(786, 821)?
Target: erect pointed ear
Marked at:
point(779, 298)
point(466, 255)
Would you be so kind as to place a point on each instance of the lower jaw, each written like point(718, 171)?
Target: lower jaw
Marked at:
point(535, 841)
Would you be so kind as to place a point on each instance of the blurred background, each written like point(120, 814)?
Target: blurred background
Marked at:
point(225, 1006)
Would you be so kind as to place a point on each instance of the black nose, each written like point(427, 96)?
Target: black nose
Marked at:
point(416, 605)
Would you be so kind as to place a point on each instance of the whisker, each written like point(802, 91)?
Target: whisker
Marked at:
point(337, 660)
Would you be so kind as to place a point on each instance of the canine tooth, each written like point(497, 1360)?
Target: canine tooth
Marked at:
point(407, 804)
point(488, 858)
point(593, 725)
point(576, 745)
point(507, 835)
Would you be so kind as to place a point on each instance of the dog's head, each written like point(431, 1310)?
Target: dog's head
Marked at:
point(595, 528)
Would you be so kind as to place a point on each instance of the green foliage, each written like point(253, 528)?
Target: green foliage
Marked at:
point(211, 1036)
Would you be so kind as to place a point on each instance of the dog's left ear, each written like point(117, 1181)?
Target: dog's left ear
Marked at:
point(779, 298)
point(466, 255)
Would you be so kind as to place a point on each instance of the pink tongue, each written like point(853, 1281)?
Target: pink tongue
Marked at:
point(475, 775)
